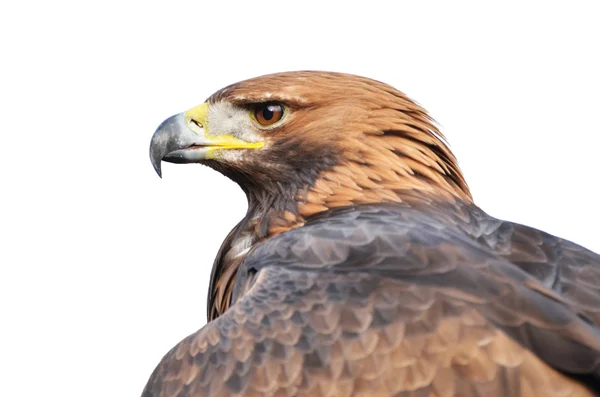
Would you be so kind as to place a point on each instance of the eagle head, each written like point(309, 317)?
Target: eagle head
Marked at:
point(304, 142)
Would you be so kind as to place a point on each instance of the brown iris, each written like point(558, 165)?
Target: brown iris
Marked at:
point(268, 114)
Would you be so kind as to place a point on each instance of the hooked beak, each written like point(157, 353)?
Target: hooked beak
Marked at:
point(171, 142)
point(184, 138)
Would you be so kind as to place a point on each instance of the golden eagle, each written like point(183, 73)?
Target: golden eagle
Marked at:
point(363, 267)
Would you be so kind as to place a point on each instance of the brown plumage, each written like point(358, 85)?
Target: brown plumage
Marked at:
point(363, 267)
point(359, 140)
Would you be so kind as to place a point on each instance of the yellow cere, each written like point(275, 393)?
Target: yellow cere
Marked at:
point(199, 114)
point(223, 141)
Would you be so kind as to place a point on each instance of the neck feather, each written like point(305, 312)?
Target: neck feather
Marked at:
point(380, 168)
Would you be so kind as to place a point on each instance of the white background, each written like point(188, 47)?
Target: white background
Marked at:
point(104, 266)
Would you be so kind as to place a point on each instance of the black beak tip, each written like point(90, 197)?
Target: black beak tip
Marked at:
point(156, 159)
point(158, 170)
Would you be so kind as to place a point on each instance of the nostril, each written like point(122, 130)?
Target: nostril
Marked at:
point(197, 123)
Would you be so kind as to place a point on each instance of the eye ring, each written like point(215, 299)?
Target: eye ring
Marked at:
point(267, 114)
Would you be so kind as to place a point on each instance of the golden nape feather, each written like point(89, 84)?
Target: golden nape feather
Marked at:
point(363, 267)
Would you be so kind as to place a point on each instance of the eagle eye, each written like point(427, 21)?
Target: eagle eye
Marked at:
point(267, 114)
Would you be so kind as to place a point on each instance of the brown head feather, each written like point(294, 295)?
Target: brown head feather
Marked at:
point(347, 140)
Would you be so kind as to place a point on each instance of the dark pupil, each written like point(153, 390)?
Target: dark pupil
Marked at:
point(269, 112)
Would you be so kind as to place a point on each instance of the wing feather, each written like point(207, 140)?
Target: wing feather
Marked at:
point(384, 301)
